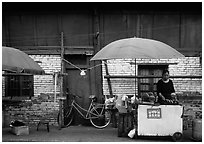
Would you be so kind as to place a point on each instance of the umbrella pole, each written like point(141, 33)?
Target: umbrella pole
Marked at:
point(135, 113)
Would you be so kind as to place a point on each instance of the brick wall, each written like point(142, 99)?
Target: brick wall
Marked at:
point(177, 67)
point(41, 105)
point(34, 110)
point(45, 83)
point(119, 67)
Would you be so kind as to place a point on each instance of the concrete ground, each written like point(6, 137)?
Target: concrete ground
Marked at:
point(81, 134)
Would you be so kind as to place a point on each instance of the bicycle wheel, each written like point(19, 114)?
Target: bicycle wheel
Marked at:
point(99, 117)
point(68, 116)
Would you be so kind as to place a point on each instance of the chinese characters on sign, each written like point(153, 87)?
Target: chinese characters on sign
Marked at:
point(154, 113)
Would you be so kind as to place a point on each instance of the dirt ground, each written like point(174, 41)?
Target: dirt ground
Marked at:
point(81, 134)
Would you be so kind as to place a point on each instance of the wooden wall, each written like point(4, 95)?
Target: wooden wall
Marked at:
point(36, 27)
point(40, 24)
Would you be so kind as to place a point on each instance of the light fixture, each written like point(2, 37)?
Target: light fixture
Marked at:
point(83, 73)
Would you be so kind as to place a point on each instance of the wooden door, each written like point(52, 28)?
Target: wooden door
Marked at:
point(77, 84)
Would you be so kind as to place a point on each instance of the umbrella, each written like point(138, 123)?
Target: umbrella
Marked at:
point(17, 61)
point(133, 48)
point(137, 48)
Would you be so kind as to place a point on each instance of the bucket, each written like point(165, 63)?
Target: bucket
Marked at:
point(197, 129)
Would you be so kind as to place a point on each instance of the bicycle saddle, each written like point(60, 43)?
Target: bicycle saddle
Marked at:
point(92, 96)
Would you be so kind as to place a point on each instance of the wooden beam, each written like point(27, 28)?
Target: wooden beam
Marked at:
point(22, 74)
point(190, 49)
point(150, 76)
point(85, 50)
point(51, 47)
point(88, 50)
point(153, 63)
point(16, 74)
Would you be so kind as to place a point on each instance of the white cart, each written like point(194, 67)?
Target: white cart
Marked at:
point(162, 120)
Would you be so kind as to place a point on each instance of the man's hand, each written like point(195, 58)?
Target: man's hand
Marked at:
point(174, 96)
point(163, 98)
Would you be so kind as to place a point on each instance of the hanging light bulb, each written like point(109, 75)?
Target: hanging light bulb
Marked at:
point(83, 73)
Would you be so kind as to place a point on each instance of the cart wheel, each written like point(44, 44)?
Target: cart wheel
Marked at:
point(177, 136)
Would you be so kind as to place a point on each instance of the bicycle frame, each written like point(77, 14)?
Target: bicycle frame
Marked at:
point(75, 105)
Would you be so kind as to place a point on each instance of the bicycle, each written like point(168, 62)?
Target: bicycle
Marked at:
point(97, 113)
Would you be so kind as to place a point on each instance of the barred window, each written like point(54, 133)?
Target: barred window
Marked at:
point(19, 85)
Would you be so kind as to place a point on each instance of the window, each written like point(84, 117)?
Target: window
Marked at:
point(150, 76)
point(19, 85)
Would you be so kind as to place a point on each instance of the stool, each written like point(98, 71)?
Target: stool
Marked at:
point(45, 123)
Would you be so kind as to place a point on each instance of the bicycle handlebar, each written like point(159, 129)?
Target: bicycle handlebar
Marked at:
point(73, 95)
point(78, 96)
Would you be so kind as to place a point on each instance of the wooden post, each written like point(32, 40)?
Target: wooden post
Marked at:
point(98, 70)
point(60, 115)
point(55, 79)
point(113, 116)
point(61, 120)
point(135, 113)
point(108, 79)
point(62, 64)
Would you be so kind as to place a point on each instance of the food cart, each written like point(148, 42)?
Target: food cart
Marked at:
point(151, 119)
point(160, 120)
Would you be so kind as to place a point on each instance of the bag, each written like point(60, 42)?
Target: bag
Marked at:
point(131, 134)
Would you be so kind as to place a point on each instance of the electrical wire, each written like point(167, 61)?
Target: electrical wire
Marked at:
point(96, 65)
point(83, 69)
point(72, 64)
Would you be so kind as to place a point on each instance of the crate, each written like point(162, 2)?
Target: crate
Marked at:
point(20, 130)
point(125, 124)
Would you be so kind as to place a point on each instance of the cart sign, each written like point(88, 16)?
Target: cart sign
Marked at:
point(154, 113)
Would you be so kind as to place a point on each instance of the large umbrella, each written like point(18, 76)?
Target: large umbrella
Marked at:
point(137, 48)
point(133, 48)
point(17, 61)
